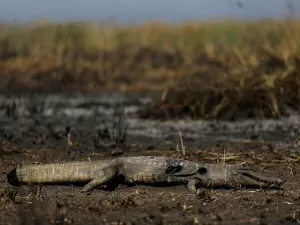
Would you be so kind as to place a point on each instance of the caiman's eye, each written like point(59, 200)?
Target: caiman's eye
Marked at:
point(173, 169)
point(202, 170)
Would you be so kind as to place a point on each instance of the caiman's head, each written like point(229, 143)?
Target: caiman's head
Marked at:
point(221, 176)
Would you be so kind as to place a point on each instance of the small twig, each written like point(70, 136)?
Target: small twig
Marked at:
point(296, 139)
point(68, 130)
point(182, 146)
point(224, 154)
point(69, 139)
point(177, 147)
point(119, 126)
point(164, 95)
point(38, 193)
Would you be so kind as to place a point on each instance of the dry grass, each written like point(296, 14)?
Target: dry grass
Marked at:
point(210, 70)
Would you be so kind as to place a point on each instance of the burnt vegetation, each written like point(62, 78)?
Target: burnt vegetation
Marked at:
point(210, 70)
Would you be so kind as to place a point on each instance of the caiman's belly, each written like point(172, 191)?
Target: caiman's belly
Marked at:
point(152, 178)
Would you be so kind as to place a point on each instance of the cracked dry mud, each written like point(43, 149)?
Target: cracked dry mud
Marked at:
point(33, 129)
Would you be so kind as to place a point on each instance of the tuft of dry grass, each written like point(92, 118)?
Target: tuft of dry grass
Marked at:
point(211, 70)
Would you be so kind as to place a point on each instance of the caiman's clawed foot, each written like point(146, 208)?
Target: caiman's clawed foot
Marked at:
point(231, 176)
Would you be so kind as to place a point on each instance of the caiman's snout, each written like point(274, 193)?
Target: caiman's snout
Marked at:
point(248, 177)
point(233, 176)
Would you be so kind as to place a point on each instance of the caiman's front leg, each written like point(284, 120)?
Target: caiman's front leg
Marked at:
point(101, 176)
point(230, 176)
point(192, 186)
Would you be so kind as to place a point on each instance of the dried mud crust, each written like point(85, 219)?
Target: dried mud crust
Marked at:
point(39, 140)
point(65, 204)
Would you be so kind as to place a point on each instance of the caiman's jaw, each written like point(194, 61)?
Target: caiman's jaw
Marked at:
point(248, 177)
point(231, 176)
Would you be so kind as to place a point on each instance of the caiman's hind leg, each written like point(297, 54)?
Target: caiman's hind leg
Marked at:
point(101, 176)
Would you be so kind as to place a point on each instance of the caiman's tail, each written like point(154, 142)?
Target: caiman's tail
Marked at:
point(50, 173)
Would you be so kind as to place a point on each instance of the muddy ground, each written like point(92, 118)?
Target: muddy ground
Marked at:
point(34, 129)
